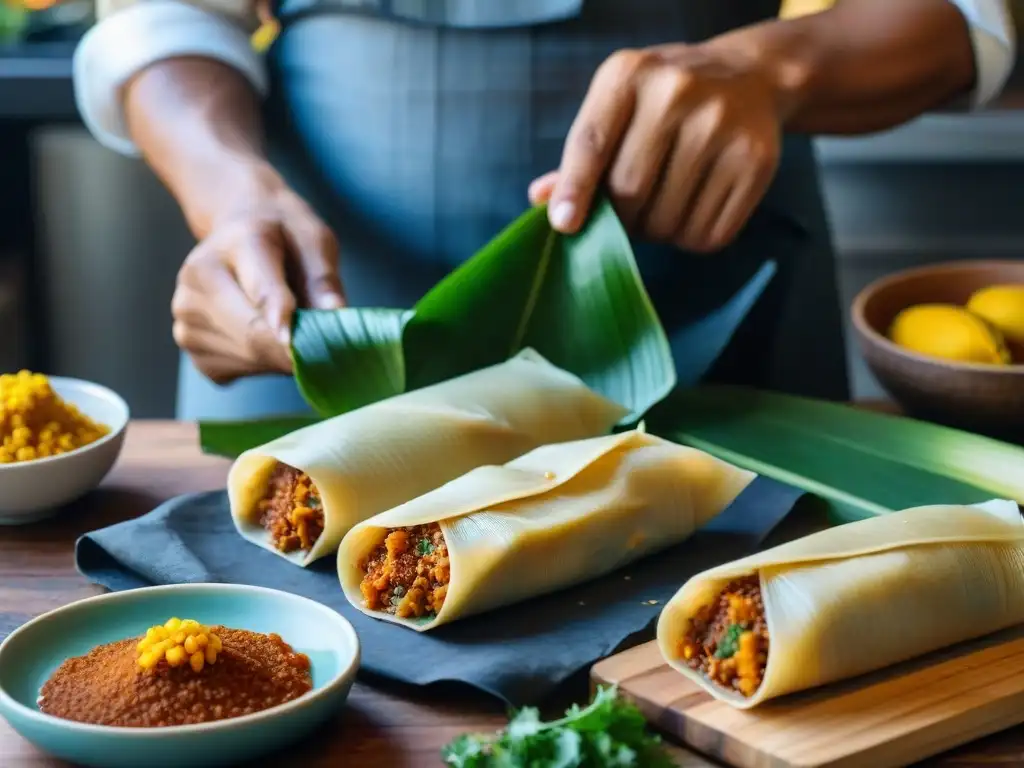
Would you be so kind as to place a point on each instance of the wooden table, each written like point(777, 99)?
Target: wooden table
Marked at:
point(378, 728)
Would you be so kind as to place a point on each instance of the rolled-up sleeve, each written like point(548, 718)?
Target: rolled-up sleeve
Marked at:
point(132, 35)
point(994, 38)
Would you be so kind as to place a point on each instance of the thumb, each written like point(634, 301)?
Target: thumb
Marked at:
point(317, 255)
point(260, 270)
point(541, 188)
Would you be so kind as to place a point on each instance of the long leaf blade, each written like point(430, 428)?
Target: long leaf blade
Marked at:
point(827, 449)
point(232, 438)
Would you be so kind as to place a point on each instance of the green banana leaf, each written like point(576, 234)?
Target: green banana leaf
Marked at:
point(231, 438)
point(578, 300)
point(861, 463)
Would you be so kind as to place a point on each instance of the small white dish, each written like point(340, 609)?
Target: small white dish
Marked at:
point(34, 490)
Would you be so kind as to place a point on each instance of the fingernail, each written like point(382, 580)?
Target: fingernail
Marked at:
point(561, 214)
point(329, 301)
point(285, 335)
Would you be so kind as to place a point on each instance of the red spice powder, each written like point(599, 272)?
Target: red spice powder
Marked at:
point(106, 686)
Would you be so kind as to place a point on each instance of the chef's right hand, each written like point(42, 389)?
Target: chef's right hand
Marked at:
point(238, 289)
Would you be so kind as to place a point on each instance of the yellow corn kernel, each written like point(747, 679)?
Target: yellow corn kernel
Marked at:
point(178, 641)
point(34, 417)
point(149, 660)
point(176, 656)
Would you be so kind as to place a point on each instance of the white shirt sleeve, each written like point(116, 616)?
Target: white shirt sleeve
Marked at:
point(994, 38)
point(130, 38)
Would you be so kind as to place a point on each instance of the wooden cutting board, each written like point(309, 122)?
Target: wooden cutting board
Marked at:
point(884, 720)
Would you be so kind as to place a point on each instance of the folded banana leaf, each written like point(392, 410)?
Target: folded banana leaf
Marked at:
point(861, 463)
point(526, 282)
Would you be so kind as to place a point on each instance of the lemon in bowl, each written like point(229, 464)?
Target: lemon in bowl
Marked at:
point(1002, 307)
point(59, 437)
point(949, 332)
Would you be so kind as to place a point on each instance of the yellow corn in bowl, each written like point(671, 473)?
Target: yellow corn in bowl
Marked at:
point(949, 332)
point(1002, 306)
point(59, 437)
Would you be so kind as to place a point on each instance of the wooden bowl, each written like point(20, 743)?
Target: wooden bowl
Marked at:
point(980, 398)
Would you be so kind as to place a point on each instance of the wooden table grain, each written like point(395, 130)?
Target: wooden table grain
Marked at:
point(378, 728)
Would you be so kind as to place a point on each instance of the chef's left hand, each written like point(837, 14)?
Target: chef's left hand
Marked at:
point(685, 141)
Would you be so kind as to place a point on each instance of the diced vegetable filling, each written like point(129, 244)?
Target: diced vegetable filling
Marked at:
point(291, 510)
point(727, 641)
point(408, 574)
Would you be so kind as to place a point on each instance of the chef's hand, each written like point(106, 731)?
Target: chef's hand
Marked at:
point(684, 139)
point(238, 289)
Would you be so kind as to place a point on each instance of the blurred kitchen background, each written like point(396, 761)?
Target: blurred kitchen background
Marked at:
point(90, 242)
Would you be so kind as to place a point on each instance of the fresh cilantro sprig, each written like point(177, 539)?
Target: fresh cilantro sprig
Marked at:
point(608, 733)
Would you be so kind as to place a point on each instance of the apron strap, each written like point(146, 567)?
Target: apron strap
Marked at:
point(466, 14)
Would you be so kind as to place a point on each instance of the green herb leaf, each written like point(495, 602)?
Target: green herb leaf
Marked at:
point(521, 290)
point(858, 462)
point(231, 438)
point(424, 547)
point(609, 733)
point(730, 642)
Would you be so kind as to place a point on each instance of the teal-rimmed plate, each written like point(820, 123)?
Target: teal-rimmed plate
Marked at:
point(33, 651)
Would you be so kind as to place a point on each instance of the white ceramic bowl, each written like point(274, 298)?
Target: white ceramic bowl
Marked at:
point(34, 490)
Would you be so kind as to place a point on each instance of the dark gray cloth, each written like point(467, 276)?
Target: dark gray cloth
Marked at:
point(520, 653)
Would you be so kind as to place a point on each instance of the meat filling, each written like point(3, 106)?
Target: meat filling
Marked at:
point(291, 510)
point(408, 574)
point(727, 641)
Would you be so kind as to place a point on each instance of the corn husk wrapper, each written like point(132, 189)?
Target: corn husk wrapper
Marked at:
point(863, 596)
point(374, 458)
point(560, 515)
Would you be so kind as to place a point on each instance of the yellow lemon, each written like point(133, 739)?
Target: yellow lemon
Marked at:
point(1003, 307)
point(949, 332)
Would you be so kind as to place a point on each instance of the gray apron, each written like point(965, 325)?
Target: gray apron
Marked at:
point(415, 126)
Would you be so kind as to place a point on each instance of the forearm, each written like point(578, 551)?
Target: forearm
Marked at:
point(864, 65)
point(197, 124)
